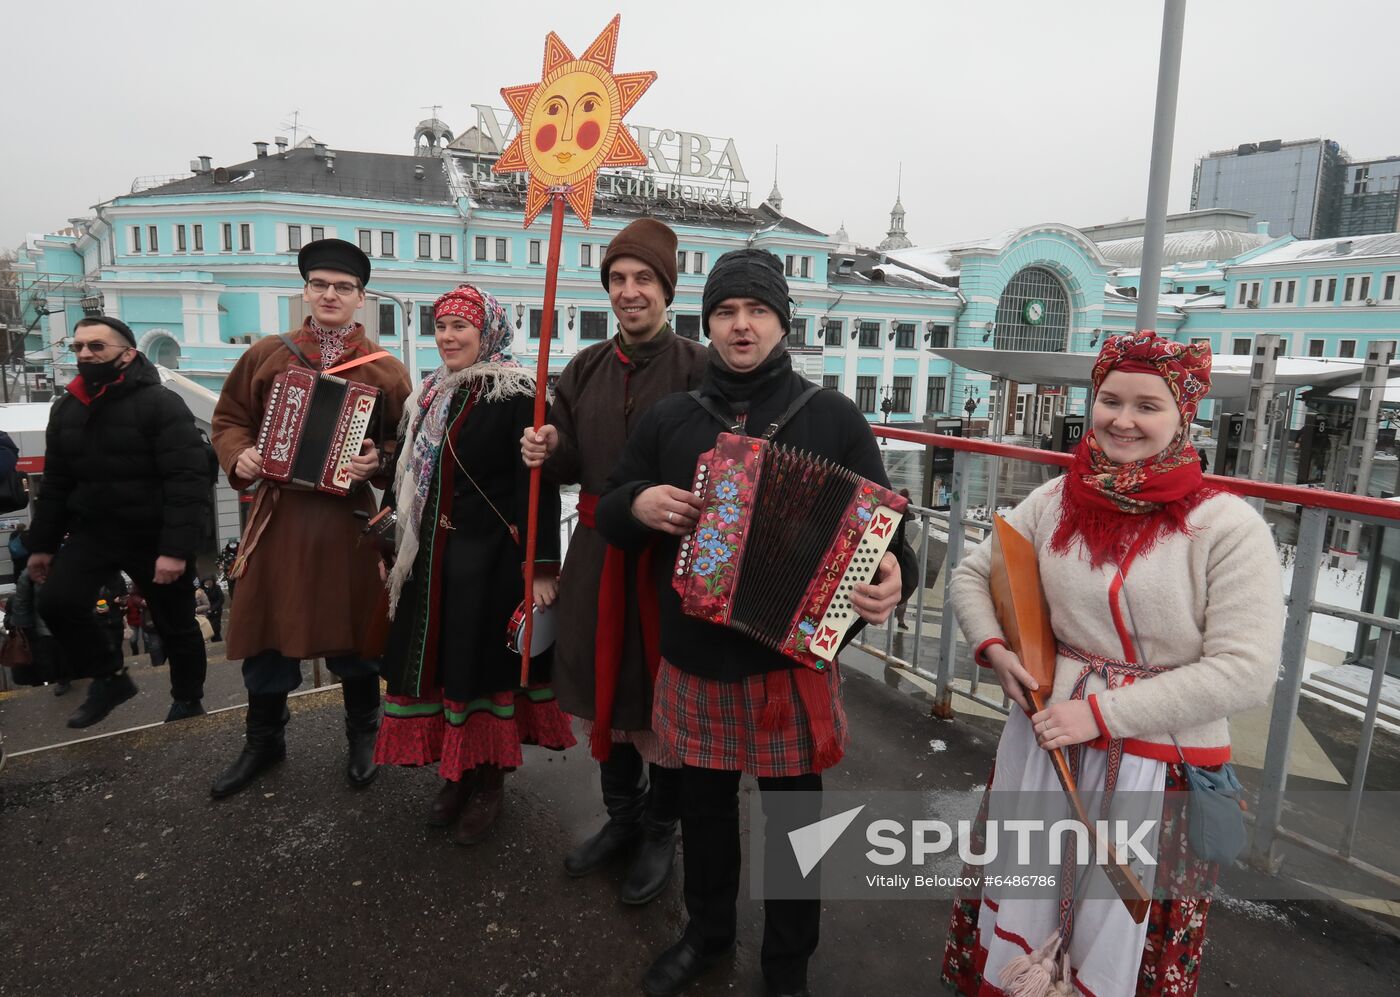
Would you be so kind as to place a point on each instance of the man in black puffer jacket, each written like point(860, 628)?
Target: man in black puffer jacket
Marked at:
point(126, 479)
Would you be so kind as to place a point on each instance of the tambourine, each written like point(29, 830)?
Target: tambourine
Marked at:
point(541, 636)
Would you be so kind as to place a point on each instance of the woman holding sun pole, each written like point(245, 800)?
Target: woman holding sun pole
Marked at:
point(462, 495)
point(1165, 597)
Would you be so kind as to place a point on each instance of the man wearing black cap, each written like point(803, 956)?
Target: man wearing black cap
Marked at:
point(126, 480)
point(726, 704)
point(307, 587)
point(605, 651)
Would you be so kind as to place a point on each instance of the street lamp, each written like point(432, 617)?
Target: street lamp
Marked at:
point(571, 311)
point(886, 406)
point(519, 314)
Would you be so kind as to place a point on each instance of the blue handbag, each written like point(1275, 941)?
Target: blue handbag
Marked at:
point(1214, 812)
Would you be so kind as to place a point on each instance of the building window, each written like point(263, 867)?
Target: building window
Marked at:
point(1315, 347)
point(1324, 290)
point(1365, 292)
point(425, 246)
point(180, 239)
point(835, 331)
point(386, 243)
point(937, 400)
point(228, 237)
point(865, 394)
point(479, 248)
point(136, 238)
point(386, 318)
point(318, 232)
point(797, 335)
point(869, 335)
point(806, 266)
point(1346, 348)
point(293, 237)
point(585, 255)
point(682, 260)
point(593, 326)
point(688, 327)
point(1243, 347)
point(199, 238)
point(1350, 294)
point(790, 266)
point(534, 251)
point(697, 262)
point(904, 336)
point(501, 251)
point(940, 335)
point(426, 325)
point(152, 242)
point(444, 247)
point(366, 240)
point(831, 381)
point(1285, 291)
point(245, 237)
point(903, 387)
point(1202, 289)
point(537, 320)
point(1389, 287)
point(1249, 293)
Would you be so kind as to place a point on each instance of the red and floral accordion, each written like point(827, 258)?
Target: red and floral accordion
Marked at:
point(783, 537)
point(313, 427)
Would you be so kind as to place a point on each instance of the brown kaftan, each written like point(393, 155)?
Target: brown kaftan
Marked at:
point(310, 588)
point(597, 403)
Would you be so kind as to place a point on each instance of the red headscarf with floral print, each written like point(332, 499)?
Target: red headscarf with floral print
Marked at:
point(1114, 508)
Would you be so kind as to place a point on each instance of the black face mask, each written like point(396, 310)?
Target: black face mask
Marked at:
point(97, 375)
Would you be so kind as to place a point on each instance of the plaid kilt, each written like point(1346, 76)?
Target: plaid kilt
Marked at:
point(717, 725)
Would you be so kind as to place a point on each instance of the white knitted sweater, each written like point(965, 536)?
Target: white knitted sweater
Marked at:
point(1209, 607)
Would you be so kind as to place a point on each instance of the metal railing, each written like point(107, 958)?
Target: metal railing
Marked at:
point(1313, 508)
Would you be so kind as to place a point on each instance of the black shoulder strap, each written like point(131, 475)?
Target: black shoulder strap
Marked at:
point(734, 426)
point(791, 411)
point(730, 423)
point(287, 342)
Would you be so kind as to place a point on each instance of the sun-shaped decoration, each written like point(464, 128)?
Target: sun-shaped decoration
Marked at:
point(571, 123)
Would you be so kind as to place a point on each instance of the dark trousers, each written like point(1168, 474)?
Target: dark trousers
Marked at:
point(79, 570)
point(710, 830)
point(269, 673)
point(216, 622)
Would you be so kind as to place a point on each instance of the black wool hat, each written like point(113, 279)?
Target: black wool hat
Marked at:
point(747, 273)
point(651, 242)
point(115, 324)
point(334, 254)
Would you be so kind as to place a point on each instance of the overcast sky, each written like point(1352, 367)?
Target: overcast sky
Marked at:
point(1003, 112)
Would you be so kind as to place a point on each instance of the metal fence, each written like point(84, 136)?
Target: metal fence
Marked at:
point(946, 666)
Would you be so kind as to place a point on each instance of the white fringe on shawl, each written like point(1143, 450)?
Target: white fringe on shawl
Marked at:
point(499, 381)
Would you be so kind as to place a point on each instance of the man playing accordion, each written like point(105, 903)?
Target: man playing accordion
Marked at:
point(725, 703)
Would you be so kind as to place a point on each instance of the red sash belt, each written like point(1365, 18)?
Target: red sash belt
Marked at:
point(612, 627)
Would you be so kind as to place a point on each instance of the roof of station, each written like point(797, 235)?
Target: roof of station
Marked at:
point(1327, 250)
point(376, 175)
point(1229, 374)
point(1185, 247)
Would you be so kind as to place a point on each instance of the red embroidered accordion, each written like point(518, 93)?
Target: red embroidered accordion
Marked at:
point(313, 427)
point(783, 537)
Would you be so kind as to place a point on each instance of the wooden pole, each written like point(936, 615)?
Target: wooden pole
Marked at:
point(551, 284)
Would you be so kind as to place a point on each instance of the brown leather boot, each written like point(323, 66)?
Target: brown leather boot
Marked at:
point(451, 798)
point(483, 810)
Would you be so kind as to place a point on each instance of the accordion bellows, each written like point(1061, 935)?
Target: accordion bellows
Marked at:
point(313, 426)
point(783, 538)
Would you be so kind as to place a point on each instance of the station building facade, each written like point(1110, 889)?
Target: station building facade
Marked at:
point(202, 264)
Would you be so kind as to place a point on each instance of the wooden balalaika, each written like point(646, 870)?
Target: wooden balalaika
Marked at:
point(782, 539)
point(1025, 619)
point(313, 426)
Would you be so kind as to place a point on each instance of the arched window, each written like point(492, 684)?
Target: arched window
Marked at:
point(1033, 313)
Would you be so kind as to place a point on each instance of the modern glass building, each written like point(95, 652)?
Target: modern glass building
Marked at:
point(1293, 186)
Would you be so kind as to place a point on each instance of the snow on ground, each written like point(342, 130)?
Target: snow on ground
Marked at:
point(1335, 587)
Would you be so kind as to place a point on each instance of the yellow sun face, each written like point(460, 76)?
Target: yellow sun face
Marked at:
point(571, 123)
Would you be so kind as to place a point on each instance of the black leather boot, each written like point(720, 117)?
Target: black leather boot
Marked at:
point(624, 794)
point(361, 728)
point(264, 745)
point(655, 860)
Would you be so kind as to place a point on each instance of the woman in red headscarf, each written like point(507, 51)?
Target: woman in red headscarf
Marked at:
point(1166, 601)
point(461, 496)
